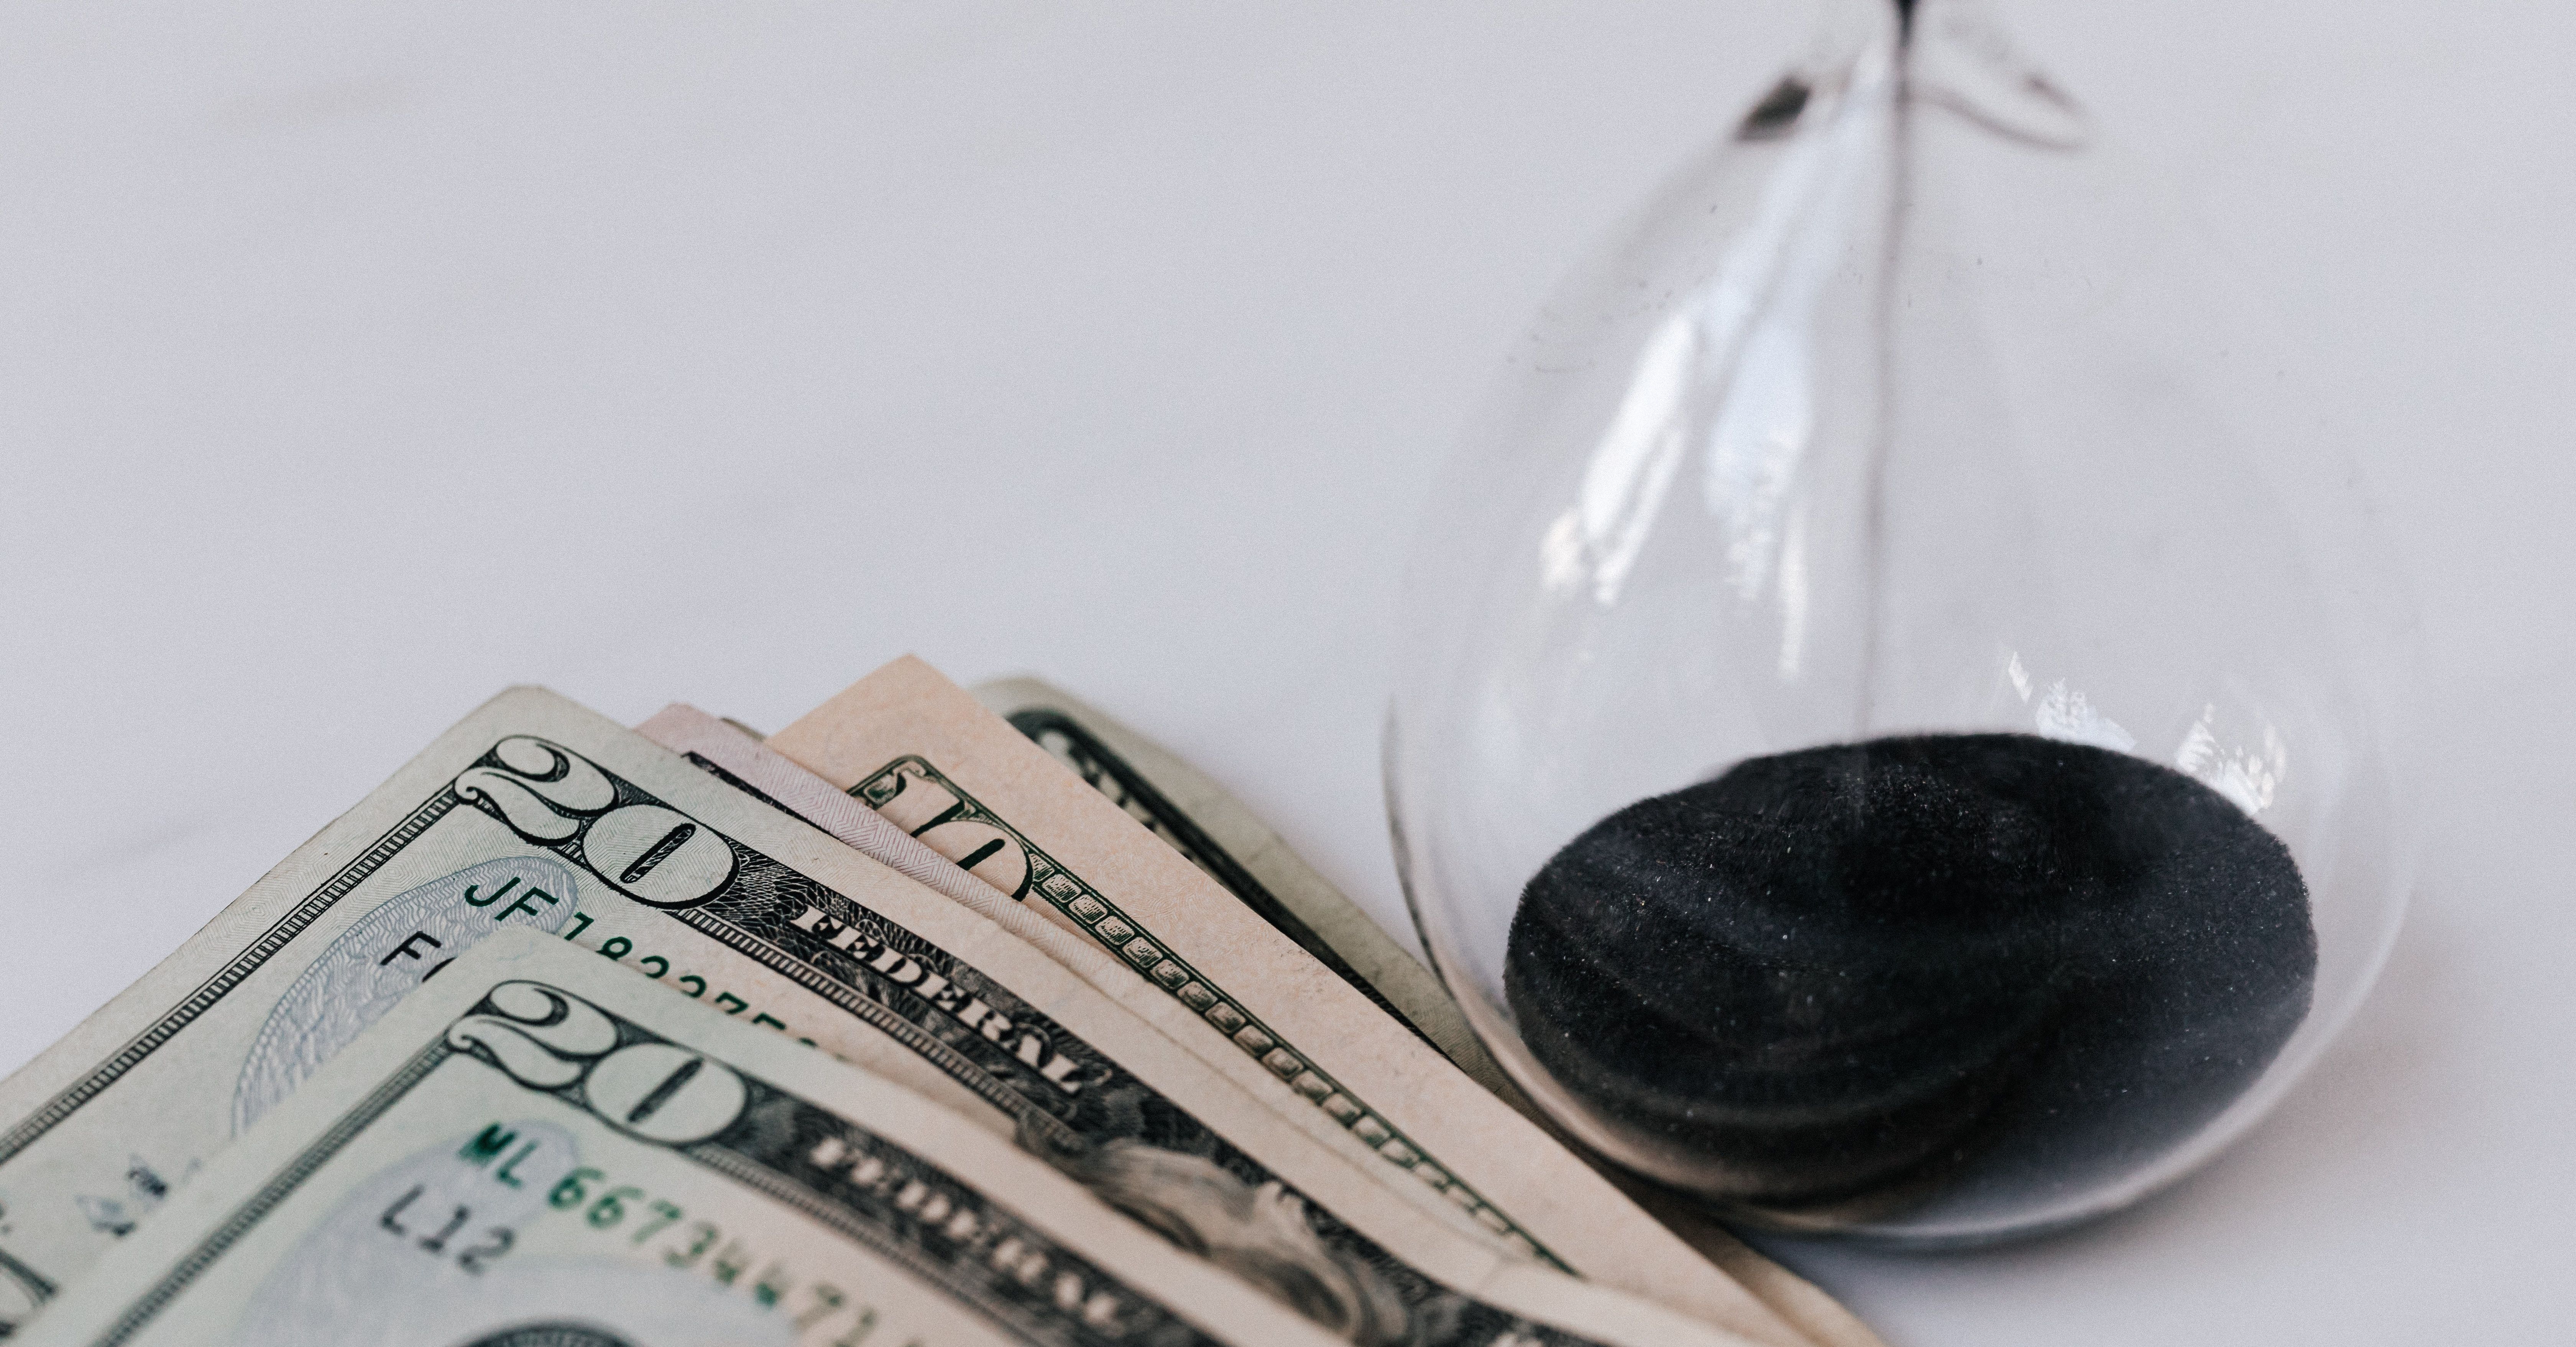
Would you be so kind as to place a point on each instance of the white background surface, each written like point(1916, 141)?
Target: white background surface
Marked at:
point(356, 361)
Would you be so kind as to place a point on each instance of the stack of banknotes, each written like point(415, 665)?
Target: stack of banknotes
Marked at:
point(937, 1018)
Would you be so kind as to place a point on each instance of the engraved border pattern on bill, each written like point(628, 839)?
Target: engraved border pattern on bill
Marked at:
point(1124, 936)
point(272, 941)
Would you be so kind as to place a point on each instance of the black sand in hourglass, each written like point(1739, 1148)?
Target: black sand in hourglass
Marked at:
point(1880, 972)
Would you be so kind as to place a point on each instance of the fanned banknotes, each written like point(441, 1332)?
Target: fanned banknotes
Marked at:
point(536, 813)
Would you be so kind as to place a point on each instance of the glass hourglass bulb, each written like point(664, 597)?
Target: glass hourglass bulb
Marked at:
point(1893, 735)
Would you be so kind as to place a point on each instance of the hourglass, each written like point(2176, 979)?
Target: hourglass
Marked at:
point(1895, 728)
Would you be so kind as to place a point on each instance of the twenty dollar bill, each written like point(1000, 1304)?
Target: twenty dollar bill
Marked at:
point(542, 1150)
